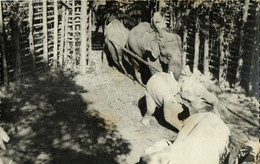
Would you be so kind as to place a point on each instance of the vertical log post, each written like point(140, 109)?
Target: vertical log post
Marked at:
point(66, 32)
point(221, 58)
point(61, 48)
point(17, 53)
point(83, 25)
point(206, 49)
point(241, 44)
point(45, 34)
point(254, 69)
point(89, 33)
point(31, 39)
point(206, 54)
point(3, 49)
point(55, 35)
point(185, 37)
point(196, 46)
point(74, 33)
point(185, 45)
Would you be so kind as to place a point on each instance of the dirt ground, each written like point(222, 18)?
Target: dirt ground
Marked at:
point(70, 118)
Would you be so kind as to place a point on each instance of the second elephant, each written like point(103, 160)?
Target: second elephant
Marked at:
point(164, 53)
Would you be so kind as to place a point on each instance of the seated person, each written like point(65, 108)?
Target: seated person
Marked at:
point(158, 22)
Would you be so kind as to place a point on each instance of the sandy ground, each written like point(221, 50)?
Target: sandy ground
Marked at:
point(93, 118)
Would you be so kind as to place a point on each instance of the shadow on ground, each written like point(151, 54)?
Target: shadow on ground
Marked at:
point(49, 122)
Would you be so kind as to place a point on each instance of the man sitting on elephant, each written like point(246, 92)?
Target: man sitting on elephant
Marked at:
point(158, 22)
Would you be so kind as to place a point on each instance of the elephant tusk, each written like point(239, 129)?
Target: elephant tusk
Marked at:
point(171, 73)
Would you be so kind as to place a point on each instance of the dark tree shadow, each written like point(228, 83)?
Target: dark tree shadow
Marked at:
point(49, 122)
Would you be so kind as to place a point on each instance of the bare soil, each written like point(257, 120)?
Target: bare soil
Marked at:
point(94, 118)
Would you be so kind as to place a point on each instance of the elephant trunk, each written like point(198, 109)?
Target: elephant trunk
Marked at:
point(176, 69)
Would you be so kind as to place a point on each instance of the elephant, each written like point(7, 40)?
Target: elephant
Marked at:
point(197, 96)
point(204, 139)
point(164, 53)
point(161, 90)
point(115, 37)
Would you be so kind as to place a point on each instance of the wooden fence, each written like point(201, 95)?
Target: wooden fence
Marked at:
point(49, 35)
point(41, 34)
point(228, 50)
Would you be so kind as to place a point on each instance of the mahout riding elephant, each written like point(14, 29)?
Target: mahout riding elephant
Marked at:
point(163, 53)
point(115, 38)
point(160, 92)
point(204, 139)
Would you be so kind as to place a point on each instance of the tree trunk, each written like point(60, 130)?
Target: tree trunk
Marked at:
point(196, 46)
point(241, 44)
point(83, 25)
point(74, 33)
point(62, 37)
point(31, 39)
point(45, 34)
point(55, 35)
point(3, 50)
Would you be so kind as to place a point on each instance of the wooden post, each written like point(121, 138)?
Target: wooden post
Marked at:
point(74, 33)
point(196, 46)
point(66, 31)
point(89, 34)
point(83, 34)
point(241, 44)
point(206, 54)
point(31, 39)
point(221, 58)
point(185, 36)
point(62, 37)
point(55, 35)
point(45, 34)
point(3, 50)
point(254, 69)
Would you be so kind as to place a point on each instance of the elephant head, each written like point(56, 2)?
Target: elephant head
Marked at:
point(171, 53)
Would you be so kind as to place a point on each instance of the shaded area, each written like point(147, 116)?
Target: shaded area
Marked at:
point(48, 121)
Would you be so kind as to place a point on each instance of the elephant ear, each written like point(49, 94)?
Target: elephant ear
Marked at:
point(153, 48)
point(165, 56)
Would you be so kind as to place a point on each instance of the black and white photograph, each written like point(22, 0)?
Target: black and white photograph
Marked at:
point(129, 82)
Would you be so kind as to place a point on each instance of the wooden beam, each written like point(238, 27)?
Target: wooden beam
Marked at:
point(55, 34)
point(31, 39)
point(45, 34)
point(196, 46)
point(61, 48)
point(83, 34)
point(66, 34)
point(74, 33)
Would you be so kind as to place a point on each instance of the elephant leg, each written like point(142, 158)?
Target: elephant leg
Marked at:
point(120, 61)
point(171, 111)
point(150, 105)
point(137, 73)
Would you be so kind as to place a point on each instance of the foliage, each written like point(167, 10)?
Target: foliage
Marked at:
point(14, 13)
point(213, 17)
